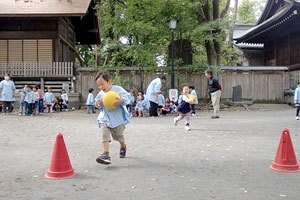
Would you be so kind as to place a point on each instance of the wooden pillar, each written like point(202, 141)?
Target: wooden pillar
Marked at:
point(42, 85)
point(72, 85)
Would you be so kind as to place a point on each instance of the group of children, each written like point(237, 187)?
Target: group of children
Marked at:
point(33, 101)
point(139, 105)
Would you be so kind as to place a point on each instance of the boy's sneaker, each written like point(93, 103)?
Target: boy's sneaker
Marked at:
point(122, 153)
point(193, 114)
point(175, 122)
point(103, 159)
point(187, 127)
point(20, 114)
point(297, 118)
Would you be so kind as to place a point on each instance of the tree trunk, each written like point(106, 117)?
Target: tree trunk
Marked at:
point(211, 54)
point(217, 48)
point(216, 9)
point(233, 23)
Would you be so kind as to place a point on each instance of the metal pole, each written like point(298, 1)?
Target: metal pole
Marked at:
point(172, 57)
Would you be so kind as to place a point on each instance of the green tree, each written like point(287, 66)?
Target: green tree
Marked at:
point(250, 10)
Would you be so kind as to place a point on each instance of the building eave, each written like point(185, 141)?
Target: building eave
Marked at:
point(276, 20)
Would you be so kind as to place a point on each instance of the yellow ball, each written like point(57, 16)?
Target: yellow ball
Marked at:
point(109, 99)
point(191, 97)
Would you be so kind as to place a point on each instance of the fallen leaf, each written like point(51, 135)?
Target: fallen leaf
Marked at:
point(35, 176)
point(194, 188)
point(86, 171)
point(151, 188)
point(133, 187)
point(283, 195)
point(82, 188)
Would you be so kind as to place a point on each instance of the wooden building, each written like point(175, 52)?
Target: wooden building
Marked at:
point(279, 30)
point(38, 38)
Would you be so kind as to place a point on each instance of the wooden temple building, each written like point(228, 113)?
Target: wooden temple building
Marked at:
point(278, 29)
point(38, 38)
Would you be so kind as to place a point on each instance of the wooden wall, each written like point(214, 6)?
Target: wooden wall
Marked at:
point(65, 41)
point(256, 85)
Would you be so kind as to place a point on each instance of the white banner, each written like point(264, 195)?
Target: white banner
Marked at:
point(173, 95)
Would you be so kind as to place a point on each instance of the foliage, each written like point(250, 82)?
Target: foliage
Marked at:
point(250, 10)
point(87, 55)
point(135, 33)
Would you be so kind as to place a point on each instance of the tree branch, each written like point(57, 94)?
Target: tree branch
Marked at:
point(224, 12)
point(206, 10)
point(216, 9)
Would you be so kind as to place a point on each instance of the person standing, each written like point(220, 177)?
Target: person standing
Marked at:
point(41, 100)
point(152, 93)
point(297, 100)
point(215, 92)
point(194, 93)
point(7, 93)
point(90, 102)
point(65, 100)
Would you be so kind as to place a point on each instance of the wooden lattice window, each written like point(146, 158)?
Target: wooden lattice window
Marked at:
point(45, 53)
point(15, 50)
point(3, 51)
point(30, 50)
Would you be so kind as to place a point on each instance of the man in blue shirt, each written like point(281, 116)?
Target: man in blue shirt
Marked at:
point(152, 94)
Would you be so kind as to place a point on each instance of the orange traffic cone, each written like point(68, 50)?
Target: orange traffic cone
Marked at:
point(60, 166)
point(285, 160)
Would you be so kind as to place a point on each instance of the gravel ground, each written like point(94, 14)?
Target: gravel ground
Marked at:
point(227, 158)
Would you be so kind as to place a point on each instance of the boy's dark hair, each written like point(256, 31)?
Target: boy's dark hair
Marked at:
point(208, 71)
point(163, 77)
point(192, 87)
point(142, 97)
point(91, 90)
point(103, 74)
point(184, 85)
point(29, 86)
point(36, 86)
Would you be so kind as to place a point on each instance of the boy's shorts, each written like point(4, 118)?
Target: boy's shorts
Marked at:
point(116, 133)
point(36, 104)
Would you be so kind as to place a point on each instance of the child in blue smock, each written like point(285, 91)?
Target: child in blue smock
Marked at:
point(297, 100)
point(90, 102)
point(161, 101)
point(22, 101)
point(194, 93)
point(140, 106)
point(49, 99)
point(29, 100)
point(111, 121)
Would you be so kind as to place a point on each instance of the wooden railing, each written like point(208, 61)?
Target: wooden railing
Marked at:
point(37, 69)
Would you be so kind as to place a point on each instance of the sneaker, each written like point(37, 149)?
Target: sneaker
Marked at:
point(103, 159)
point(297, 118)
point(193, 114)
point(187, 127)
point(175, 122)
point(20, 114)
point(215, 117)
point(122, 153)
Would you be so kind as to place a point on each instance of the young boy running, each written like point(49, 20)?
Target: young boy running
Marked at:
point(111, 121)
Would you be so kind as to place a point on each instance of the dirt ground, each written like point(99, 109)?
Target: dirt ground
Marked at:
point(227, 158)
